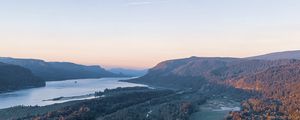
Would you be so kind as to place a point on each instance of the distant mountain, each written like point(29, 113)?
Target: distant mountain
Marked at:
point(279, 55)
point(183, 73)
point(53, 71)
point(14, 77)
point(129, 72)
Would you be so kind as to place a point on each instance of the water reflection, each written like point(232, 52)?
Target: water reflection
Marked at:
point(56, 89)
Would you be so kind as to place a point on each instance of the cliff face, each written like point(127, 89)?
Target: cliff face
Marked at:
point(14, 77)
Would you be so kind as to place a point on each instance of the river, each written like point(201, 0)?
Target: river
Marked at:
point(55, 89)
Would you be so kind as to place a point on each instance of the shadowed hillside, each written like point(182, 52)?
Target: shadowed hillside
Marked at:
point(51, 71)
point(14, 77)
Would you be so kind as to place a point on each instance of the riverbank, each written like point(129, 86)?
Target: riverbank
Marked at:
point(67, 90)
point(114, 100)
point(121, 103)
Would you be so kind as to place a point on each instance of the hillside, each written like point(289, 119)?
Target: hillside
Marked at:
point(14, 77)
point(182, 73)
point(51, 71)
point(195, 71)
point(281, 84)
point(276, 80)
point(279, 55)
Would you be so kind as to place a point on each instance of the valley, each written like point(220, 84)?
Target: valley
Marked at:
point(211, 88)
point(149, 60)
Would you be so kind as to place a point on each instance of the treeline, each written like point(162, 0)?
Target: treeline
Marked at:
point(92, 109)
point(119, 90)
point(134, 103)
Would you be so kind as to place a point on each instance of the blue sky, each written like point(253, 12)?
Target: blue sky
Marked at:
point(141, 33)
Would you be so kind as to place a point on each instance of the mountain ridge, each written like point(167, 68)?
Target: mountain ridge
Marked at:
point(294, 54)
point(53, 71)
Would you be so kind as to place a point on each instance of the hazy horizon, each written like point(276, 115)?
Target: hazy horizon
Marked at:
point(142, 33)
point(142, 68)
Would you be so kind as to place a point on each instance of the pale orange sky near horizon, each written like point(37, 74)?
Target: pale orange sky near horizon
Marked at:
point(142, 33)
point(114, 54)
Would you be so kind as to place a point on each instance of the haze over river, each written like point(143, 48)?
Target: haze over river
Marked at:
point(55, 89)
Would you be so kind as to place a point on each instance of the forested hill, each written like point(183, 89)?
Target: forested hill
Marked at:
point(194, 71)
point(276, 80)
point(53, 71)
point(14, 77)
point(280, 87)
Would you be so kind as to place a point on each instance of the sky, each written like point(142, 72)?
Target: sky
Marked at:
point(142, 33)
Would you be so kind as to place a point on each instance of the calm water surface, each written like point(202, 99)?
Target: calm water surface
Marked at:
point(56, 89)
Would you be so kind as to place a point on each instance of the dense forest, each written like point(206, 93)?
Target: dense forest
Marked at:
point(280, 84)
point(121, 103)
point(133, 103)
